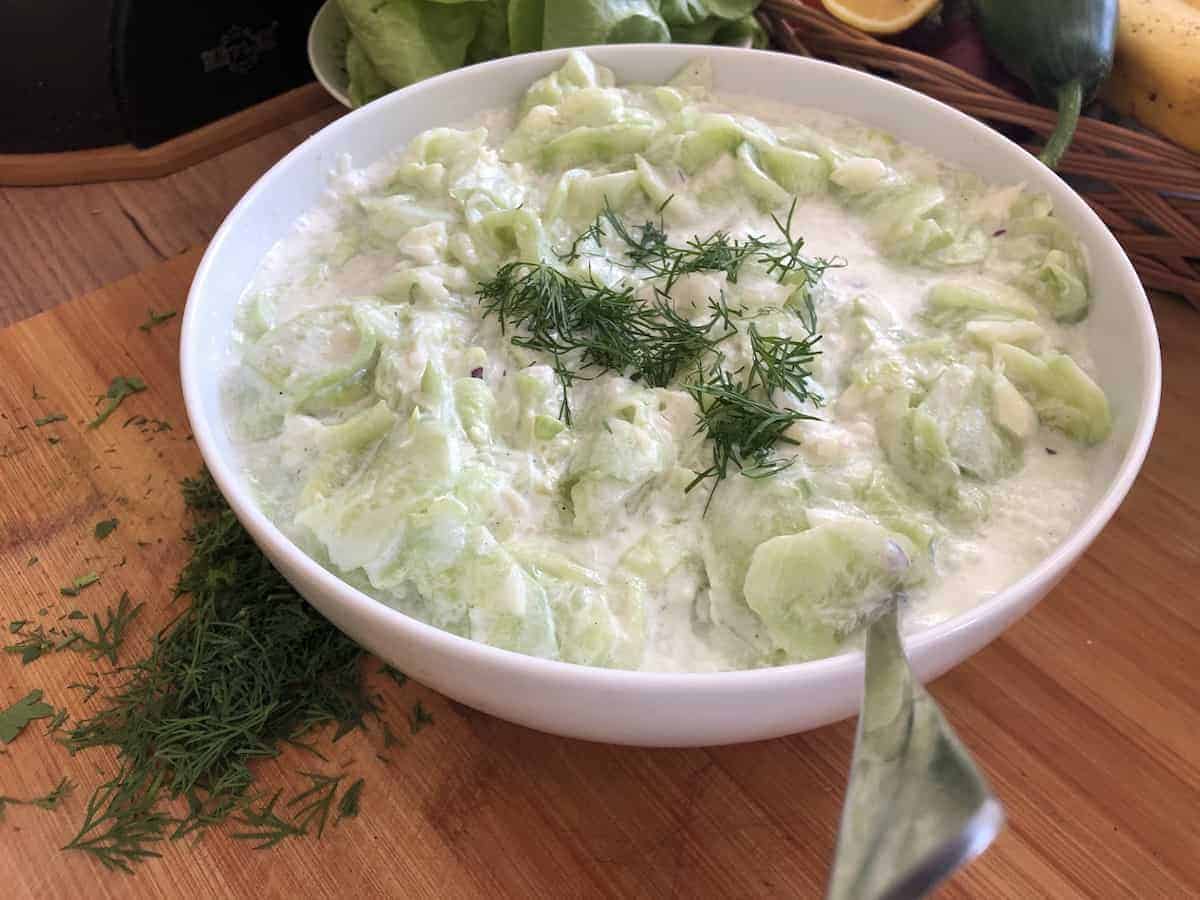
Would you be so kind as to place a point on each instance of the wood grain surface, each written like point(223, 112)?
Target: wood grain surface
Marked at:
point(59, 242)
point(1085, 716)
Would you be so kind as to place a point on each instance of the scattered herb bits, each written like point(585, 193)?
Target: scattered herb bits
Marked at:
point(419, 718)
point(48, 801)
point(348, 805)
point(104, 528)
point(78, 584)
point(121, 387)
point(248, 667)
point(14, 719)
point(154, 319)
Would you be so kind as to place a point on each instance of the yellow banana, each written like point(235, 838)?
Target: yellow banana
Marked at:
point(1156, 74)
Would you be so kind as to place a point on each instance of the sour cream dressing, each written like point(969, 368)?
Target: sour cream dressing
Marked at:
point(1030, 512)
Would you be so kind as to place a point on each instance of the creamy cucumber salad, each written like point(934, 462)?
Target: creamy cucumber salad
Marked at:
point(651, 377)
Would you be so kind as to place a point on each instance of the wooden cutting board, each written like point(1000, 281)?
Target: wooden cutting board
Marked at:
point(1085, 716)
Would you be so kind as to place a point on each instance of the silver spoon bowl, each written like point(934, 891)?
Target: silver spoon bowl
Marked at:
point(917, 808)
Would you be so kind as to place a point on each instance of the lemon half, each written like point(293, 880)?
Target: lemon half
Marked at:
point(880, 16)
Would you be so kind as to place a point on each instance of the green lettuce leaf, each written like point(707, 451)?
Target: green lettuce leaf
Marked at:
point(365, 81)
point(397, 42)
point(491, 40)
point(408, 40)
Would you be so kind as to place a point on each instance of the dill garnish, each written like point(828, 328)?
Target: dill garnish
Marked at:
point(47, 420)
point(650, 250)
point(782, 364)
point(104, 528)
point(742, 428)
point(586, 326)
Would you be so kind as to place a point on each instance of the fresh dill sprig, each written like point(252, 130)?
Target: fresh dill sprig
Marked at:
point(594, 233)
point(89, 690)
point(48, 801)
point(742, 428)
point(395, 674)
point(782, 364)
point(585, 325)
point(789, 266)
point(111, 632)
point(650, 250)
point(265, 825)
point(268, 827)
point(56, 722)
point(319, 797)
point(122, 822)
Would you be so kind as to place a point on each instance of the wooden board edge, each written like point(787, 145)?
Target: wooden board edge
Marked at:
point(125, 162)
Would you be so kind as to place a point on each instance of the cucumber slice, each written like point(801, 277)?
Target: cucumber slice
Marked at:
point(951, 301)
point(758, 183)
point(797, 171)
point(313, 350)
point(1062, 393)
point(813, 588)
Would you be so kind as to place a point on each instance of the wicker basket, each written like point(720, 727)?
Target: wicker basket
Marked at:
point(1137, 183)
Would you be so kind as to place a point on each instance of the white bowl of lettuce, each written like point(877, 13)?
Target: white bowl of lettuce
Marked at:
point(640, 707)
point(360, 49)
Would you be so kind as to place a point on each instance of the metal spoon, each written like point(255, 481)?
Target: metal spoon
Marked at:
point(917, 808)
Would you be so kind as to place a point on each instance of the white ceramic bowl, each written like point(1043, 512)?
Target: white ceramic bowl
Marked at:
point(659, 709)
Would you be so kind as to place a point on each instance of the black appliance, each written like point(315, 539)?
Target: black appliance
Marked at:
point(76, 74)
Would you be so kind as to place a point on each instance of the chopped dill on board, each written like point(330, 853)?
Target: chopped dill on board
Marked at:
point(48, 801)
point(110, 633)
point(154, 319)
point(121, 387)
point(14, 719)
point(246, 669)
point(78, 584)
